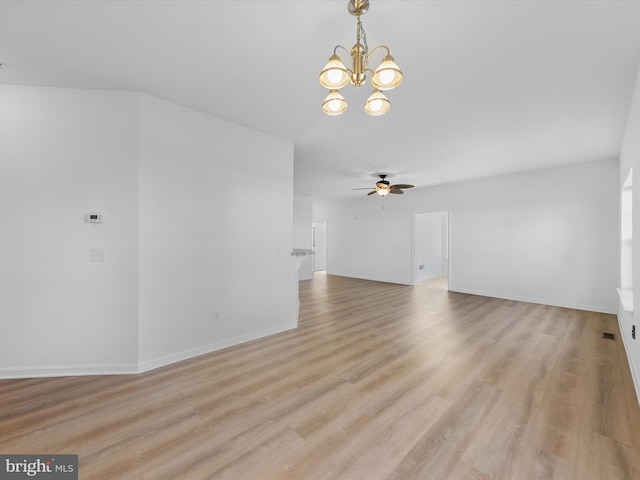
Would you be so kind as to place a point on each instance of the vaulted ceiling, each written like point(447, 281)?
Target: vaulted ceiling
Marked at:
point(489, 87)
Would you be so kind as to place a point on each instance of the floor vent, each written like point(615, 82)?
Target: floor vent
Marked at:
point(608, 336)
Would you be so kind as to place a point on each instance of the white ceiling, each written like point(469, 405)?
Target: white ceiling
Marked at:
point(489, 87)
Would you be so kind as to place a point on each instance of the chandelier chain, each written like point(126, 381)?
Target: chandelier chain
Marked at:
point(362, 37)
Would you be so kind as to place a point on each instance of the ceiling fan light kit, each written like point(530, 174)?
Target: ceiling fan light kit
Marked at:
point(383, 187)
point(335, 75)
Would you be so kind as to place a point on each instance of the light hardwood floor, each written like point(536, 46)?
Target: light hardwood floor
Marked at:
point(380, 381)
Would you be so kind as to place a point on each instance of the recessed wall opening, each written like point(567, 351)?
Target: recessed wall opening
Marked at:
point(431, 247)
point(319, 245)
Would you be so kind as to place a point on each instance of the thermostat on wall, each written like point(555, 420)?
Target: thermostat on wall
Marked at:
point(94, 218)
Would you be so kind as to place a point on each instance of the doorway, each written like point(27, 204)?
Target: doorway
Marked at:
point(431, 246)
point(319, 246)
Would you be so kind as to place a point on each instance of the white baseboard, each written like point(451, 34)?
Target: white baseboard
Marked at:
point(129, 369)
point(67, 371)
point(589, 308)
point(371, 279)
point(213, 347)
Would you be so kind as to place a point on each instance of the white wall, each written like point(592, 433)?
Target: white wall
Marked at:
point(216, 221)
point(367, 241)
point(630, 157)
point(548, 236)
point(64, 153)
point(199, 216)
point(302, 232)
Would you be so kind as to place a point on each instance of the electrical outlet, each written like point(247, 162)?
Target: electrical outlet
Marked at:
point(420, 267)
point(216, 316)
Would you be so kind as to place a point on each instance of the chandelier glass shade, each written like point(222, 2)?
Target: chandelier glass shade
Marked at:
point(334, 104)
point(377, 104)
point(335, 75)
point(387, 76)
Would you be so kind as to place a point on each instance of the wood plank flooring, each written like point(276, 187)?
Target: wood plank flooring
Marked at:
point(380, 381)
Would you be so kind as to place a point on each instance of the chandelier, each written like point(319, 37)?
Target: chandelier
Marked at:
point(335, 75)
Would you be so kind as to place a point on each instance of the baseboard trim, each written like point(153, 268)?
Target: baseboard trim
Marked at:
point(213, 347)
point(67, 371)
point(371, 279)
point(132, 369)
point(588, 308)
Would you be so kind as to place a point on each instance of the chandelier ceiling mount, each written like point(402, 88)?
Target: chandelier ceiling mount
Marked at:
point(358, 7)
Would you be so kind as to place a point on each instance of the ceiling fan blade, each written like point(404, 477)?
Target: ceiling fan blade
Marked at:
point(383, 187)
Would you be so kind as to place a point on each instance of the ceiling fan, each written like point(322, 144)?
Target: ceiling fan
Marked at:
point(383, 187)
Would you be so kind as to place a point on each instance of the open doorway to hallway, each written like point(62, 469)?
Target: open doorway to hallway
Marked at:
point(431, 247)
point(320, 246)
